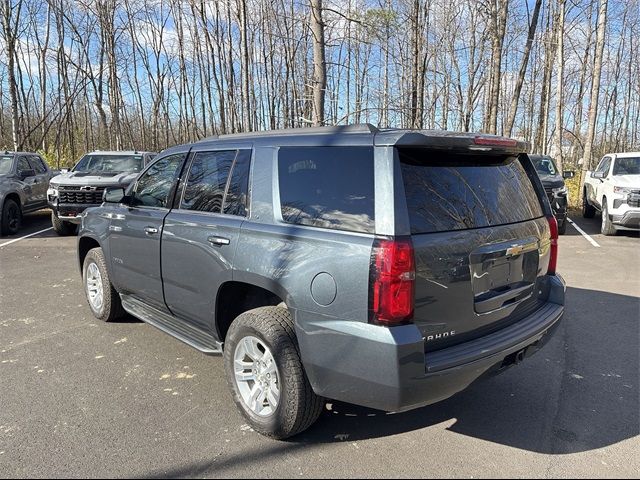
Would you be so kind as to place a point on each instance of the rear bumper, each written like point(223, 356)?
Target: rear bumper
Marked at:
point(387, 368)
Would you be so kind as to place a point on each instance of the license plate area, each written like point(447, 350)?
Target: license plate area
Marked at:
point(503, 274)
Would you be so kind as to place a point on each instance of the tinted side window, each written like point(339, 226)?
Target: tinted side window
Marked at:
point(37, 165)
point(455, 192)
point(23, 164)
point(207, 180)
point(154, 185)
point(328, 187)
point(236, 199)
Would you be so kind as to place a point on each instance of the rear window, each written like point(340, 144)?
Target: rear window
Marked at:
point(327, 187)
point(447, 192)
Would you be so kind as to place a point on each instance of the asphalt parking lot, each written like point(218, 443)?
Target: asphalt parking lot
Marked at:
point(80, 398)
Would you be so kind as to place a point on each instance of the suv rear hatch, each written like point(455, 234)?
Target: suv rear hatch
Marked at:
point(481, 241)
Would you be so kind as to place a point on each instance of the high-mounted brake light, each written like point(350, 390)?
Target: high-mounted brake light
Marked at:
point(553, 258)
point(495, 141)
point(392, 282)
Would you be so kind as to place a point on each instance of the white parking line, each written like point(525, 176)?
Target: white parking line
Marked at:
point(583, 233)
point(26, 236)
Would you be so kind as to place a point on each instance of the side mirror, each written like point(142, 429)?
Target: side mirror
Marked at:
point(26, 173)
point(568, 174)
point(114, 195)
point(599, 175)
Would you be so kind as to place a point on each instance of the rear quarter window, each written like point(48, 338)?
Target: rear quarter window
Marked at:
point(327, 187)
point(447, 192)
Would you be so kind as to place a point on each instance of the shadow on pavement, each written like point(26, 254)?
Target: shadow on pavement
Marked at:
point(577, 394)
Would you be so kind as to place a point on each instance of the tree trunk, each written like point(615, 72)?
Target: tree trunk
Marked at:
point(515, 100)
point(559, 74)
point(319, 62)
point(595, 91)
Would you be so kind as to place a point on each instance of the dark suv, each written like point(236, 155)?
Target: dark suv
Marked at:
point(386, 268)
point(554, 186)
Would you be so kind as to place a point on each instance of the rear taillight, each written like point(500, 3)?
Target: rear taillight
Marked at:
point(553, 258)
point(392, 279)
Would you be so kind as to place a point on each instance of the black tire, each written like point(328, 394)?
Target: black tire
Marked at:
point(606, 228)
point(562, 227)
point(111, 307)
point(62, 227)
point(588, 211)
point(11, 218)
point(299, 407)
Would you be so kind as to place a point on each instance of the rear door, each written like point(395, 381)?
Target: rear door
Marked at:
point(201, 233)
point(481, 242)
point(41, 182)
point(29, 184)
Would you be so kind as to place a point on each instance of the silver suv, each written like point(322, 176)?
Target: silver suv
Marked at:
point(386, 268)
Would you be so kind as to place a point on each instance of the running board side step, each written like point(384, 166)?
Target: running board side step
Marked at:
point(175, 327)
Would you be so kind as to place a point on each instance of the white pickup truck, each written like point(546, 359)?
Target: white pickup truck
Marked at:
point(614, 189)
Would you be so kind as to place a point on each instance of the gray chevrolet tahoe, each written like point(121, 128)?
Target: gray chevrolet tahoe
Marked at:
point(385, 268)
point(70, 193)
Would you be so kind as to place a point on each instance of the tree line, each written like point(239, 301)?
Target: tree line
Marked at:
point(81, 75)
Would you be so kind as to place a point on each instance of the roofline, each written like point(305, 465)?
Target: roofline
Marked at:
point(328, 130)
point(369, 134)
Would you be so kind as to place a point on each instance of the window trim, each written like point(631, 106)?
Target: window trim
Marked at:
point(177, 205)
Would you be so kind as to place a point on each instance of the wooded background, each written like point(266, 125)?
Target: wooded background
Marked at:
point(80, 75)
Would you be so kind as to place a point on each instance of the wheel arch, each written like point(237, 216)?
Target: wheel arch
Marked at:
point(235, 297)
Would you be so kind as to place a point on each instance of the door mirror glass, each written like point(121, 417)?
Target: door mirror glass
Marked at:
point(113, 195)
point(598, 175)
point(568, 174)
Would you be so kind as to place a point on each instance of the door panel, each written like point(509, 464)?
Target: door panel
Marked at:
point(136, 231)
point(199, 240)
point(135, 251)
point(197, 257)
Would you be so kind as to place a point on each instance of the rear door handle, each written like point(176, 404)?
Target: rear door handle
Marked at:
point(150, 230)
point(218, 240)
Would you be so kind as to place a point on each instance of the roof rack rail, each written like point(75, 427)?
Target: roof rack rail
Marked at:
point(328, 130)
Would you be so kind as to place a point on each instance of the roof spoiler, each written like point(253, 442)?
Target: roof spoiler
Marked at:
point(444, 140)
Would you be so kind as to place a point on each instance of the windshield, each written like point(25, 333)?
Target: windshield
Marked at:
point(5, 164)
point(109, 163)
point(544, 165)
point(627, 166)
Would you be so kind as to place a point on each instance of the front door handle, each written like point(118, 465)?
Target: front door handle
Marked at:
point(150, 230)
point(218, 240)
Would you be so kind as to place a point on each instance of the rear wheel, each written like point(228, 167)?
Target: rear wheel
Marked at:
point(102, 297)
point(588, 211)
point(266, 376)
point(62, 227)
point(11, 218)
point(607, 227)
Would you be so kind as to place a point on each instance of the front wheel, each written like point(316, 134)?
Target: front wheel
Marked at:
point(11, 218)
point(588, 211)
point(266, 376)
point(102, 297)
point(607, 227)
point(62, 227)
